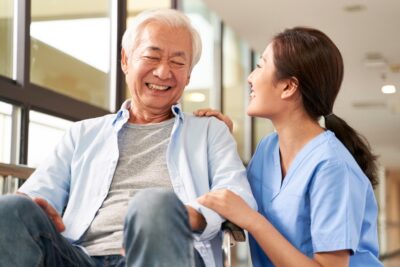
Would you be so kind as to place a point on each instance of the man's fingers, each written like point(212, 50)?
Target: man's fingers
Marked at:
point(45, 206)
point(51, 213)
point(59, 224)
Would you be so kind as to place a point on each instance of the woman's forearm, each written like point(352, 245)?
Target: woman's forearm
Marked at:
point(277, 248)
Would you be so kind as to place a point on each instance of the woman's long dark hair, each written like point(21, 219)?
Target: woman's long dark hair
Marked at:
point(311, 56)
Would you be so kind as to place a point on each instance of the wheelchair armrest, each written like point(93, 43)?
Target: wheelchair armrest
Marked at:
point(231, 234)
point(236, 232)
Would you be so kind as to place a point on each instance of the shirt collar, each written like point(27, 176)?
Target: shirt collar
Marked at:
point(122, 116)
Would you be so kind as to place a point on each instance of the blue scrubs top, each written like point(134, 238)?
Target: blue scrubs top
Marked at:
point(325, 203)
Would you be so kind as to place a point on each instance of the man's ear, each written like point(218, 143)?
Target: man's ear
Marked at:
point(124, 61)
point(291, 88)
point(188, 80)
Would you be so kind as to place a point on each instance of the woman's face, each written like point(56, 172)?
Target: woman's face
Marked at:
point(265, 91)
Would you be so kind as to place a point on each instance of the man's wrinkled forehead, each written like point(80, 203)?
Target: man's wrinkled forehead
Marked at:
point(156, 36)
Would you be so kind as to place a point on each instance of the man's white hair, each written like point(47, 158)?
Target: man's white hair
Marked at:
point(169, 17)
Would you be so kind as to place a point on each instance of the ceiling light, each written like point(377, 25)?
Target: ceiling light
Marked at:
point(395, 68)
point(388, 89)
point(374, 60)
point(354, 8)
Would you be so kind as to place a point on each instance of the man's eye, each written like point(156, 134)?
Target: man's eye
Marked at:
point(178, 63)
point(151, 58)
point(258, 66)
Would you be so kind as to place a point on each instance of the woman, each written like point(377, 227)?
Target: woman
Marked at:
point(313, 185)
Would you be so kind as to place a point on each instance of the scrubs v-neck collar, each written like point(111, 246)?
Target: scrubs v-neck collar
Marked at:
point(277, 184)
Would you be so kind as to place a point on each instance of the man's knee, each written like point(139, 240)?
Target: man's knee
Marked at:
point(15, 209)
point(12, 204)
point(156, 217)
point(154, 208)
point(153, 201)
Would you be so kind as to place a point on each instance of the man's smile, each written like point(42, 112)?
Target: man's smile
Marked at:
point(157, 87)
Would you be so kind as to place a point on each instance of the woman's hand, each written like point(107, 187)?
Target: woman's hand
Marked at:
point(230, 206)
point(208, 112)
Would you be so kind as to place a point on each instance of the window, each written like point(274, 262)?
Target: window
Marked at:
point(5, 132)
point(203, 88)
point(7, 184)
point(235, 87)
point(70, 49)
point(6, 38)
point(261, 126)
point(45, 132)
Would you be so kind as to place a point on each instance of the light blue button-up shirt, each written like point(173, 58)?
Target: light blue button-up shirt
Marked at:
point(201, 157)
point(325, 203)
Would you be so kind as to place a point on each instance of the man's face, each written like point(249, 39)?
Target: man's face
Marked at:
point(158, 68)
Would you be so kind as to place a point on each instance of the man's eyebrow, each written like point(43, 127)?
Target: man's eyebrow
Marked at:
point(179, 54)
point(154, 48)
point(175, 54)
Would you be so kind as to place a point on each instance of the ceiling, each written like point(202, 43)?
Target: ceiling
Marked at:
point(368, 34)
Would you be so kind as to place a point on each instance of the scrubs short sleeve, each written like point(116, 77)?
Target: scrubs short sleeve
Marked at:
point(337, 205)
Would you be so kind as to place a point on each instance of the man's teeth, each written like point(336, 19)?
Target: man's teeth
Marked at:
point(252, 94)
point(157, 87)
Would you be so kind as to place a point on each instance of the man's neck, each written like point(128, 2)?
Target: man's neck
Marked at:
point(144, 117)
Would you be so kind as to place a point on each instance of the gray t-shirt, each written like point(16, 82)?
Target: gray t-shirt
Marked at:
point(141, 164)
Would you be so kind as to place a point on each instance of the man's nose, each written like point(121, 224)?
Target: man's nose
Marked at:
point(163, 71)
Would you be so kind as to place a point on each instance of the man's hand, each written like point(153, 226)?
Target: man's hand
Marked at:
point(51, 212)
point(208, 112)
point(196, 220)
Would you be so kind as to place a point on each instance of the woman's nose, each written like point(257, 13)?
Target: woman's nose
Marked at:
point(250, 78)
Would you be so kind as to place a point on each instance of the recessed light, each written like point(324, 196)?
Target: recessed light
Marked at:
point(388, 89)
point(374, 60)
point(354, 8)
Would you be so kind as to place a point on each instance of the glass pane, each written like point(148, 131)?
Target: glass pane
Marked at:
point(7, 184)
point(70, 48)
point(6, 37)
point(201, 90)
point(5, 132)
point(137, 6)
point(45, 132)
point(235, 88)
point(261, 126)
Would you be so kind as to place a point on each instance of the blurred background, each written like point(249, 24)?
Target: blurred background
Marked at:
point(59, 63)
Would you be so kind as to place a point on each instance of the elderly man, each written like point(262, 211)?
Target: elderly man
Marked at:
point(150, 155)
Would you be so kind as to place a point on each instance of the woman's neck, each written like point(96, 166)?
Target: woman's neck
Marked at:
point(294, 134)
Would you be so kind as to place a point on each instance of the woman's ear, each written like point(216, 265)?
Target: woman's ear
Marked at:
point(291, 88)
point(124, 61)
